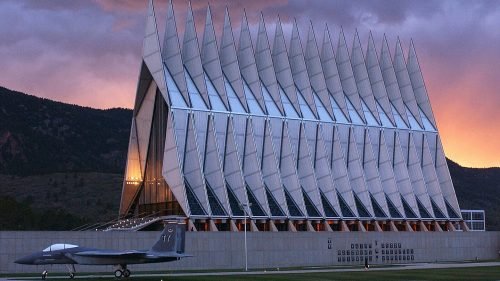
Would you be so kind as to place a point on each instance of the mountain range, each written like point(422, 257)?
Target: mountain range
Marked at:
point(69, 159)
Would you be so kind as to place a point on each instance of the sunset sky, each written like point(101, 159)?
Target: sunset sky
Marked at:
point(88, 52)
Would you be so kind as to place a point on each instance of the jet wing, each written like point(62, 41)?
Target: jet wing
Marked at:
point(111, 254)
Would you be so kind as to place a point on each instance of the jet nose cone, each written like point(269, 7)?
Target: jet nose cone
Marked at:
point(24, 260)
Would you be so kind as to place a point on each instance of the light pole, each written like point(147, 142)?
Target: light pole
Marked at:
point(244, 207)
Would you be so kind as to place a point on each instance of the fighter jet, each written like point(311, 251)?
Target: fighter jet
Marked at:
point(169, 247)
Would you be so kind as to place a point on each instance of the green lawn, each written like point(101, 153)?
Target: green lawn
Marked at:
point(473, 273)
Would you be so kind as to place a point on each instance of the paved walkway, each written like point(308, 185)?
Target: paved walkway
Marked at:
point(398, 267)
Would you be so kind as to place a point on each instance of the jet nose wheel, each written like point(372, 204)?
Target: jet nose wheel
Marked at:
point(118, 273)
point(72, 275)
point(126, 273)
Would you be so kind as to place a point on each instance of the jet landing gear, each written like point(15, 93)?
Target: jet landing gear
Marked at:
point(122, 271)
point(72, 271)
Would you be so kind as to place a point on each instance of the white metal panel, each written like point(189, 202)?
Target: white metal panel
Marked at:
point(361, 77)
point(418, 84)
point(404, 82)
point(252, 169)
point(212, 167)
point(247, 64)
point(172, 171)
point(305, 170)
point(415, 171)
point(299, 70)
point(346, 74)
point(151, 52)
point(191, 56)
point(229, 60)
point(265, 65)
point(270, 172)
point(376, 79)
point(192, 167)
point(315, 71)
point(390, 81)
point(354, 166)
point(143, 121)
point(282, 67)
point(171, 52)
point(331, 72)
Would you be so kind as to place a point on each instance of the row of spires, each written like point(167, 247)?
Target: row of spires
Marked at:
point(290, 67)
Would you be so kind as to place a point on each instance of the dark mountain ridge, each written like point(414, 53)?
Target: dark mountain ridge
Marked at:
point(40, 136)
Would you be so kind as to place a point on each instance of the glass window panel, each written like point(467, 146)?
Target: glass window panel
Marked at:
point(196, 99)
point(292, 206)
point(437, 211)
point(392, 209)
point(214, 97)
point(422, 210)
point(273, 205)
point(323, 114)
point(234, 101)
point(379, 213)
point(254, 204)
point(344, 208)
point(427, 124)
point(339, 115)
point(370, 119)
point(272, 109)
point(287, 105)
point(362, 211)
point(310, 208)
point(233, 202)
point(253, 105)
point(400, 123)
point(355, 118)
point(413, 122)
point(386, 122)
point(329, 211)
point(175, 95)
point(306, 111)
point(408, 211)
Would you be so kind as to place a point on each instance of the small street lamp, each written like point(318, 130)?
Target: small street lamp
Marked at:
point(244, 208)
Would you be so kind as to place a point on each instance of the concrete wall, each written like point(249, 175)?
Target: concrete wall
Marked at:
point(266, 249)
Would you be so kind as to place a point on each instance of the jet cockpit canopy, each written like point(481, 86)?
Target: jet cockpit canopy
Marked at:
point(56, 247)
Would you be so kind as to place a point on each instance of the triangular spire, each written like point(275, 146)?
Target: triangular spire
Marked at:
point(405, 83)
point(429, 172)
point(400, 169)
point(252, 169)
point(315, 71)
point(376, 79)
point(171, 166)
point(289, 171)
point(347, 76)
point(191, 56)
point(229, 60)
point(210, 59)
point(340, 173)
point(212, 166)
point(306, 172)
point(331, 72)
point(265, 65)
point(299, 70)
point(418, 84)
point(151, 54)
point(444, 177)
point(361, 77)
point(369, 165)
point(192, 168)
point(324, 172)
point(171, 53)
point(384, 167)
point(391, 82)
point(270, 172)
point(282, 67)
point(355, 169)
point(415, 171)
point(246, 60)
point(232, 167)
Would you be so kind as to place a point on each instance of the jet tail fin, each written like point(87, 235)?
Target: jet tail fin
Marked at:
point(172, 238)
